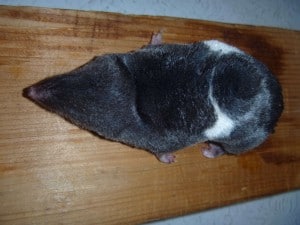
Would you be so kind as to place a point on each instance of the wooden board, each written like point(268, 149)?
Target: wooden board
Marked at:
point(51, 172)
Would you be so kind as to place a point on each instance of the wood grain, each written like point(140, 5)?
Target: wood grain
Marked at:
point(51, 172)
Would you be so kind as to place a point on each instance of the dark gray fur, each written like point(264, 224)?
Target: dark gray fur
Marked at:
point(157, 98)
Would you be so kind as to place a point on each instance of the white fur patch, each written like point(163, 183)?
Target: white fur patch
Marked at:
point(223, 125)
point(221, 47)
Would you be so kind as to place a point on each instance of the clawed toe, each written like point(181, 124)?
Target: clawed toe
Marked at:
point(212, 151)
point(156, 38)
point(166, 158)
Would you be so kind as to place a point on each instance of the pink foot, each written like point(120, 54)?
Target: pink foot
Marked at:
point(156, 38)
point(212, 151)
point(166, 158)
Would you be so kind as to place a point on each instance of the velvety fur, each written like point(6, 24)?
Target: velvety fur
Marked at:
point(165, 97)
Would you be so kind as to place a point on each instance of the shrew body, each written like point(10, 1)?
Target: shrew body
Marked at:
point(165, 97)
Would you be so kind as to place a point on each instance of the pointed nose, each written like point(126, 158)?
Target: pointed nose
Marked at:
point(35, 93)
point(29, 92)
